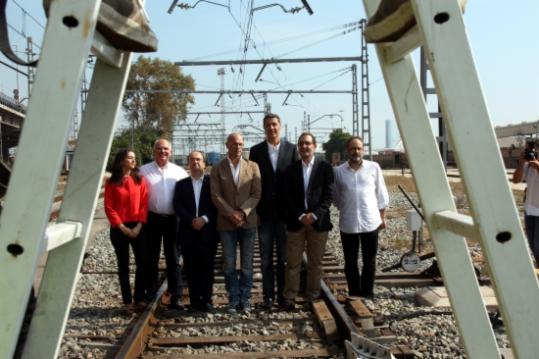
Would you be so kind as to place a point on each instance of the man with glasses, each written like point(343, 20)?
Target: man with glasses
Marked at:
point(308, 193)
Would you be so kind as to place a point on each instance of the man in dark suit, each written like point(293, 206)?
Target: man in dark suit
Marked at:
point(273, 157)
point(198, 228)
point(308, 194)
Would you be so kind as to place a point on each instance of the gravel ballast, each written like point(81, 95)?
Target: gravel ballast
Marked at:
point(97, 323)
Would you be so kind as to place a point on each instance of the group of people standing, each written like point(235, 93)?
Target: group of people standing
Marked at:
point(283, 193)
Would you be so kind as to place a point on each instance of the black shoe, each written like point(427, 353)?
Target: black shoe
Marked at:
point(288, 305)
point(245, 307)
point(195, 307)
point(308, 305)
point(176, 303)
point(207, 308)
point(125, 24)
point(367, 295)
point(232, 309)
point(267, 305)
point(150, 295)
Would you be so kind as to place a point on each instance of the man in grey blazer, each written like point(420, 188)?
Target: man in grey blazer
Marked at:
point(236, 190)
point(273, 156)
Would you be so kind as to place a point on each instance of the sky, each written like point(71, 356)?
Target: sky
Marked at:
point(502, 36)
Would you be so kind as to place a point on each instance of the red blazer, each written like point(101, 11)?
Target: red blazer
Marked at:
point(126, 201)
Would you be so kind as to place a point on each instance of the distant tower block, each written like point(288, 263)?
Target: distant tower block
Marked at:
point(391, 134)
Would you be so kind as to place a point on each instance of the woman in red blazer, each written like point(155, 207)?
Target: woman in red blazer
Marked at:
point(126, 206)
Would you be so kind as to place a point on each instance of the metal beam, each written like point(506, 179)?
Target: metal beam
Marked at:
point(267, 61)
point(239, 92)
point(226, 112)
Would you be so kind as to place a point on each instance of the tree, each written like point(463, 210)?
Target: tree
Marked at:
point(156, 110)
point(336, 143)
point(142, 139)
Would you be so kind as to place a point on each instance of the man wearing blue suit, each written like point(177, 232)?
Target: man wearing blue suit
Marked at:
point(199, 236)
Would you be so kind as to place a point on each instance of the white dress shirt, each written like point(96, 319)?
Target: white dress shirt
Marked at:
point(235, 171)
point(273, 152)
point(531, 176)
point(197, 188)
point(161, 182)
point(307, 171)
point(360, 195)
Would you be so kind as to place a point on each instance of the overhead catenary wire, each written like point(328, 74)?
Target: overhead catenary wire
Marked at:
point(339, 71)
point(320, 41)
point(277, 41)
point(26, 13)
point(331, 79)
point(248, 30)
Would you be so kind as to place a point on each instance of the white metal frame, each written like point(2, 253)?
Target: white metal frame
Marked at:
point(494, 222)
point(24, 223)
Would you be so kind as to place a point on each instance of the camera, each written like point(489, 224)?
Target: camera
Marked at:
point(530, 155)
point(529, 152)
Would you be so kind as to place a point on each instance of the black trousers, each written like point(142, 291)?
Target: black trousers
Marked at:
point(360, 284)
point(121, 244)
point(163, 227)
point(199, 257)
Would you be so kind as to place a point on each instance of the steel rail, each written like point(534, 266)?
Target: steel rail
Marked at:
point(134, 344)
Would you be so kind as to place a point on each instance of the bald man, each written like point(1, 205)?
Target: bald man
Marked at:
point(161, 176)
point(236, 189)
point(198, 228)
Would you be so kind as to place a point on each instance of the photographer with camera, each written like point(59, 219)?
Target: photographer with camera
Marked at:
point(528, 171)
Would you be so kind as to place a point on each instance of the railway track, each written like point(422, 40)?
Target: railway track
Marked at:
point(310, 331)
point(99, 328)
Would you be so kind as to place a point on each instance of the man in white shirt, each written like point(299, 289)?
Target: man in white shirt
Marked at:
point(161, 176)
point(528, 170)
point(361, 197)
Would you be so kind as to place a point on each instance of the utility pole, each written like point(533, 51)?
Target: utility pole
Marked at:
point(30, 70)
point(365, 100)
point(267, 105)
point(221, 73)
point(442, 137)
point(355, 120)
point(83, 97)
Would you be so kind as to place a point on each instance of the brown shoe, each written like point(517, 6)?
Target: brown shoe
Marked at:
point(392, 19)
point(129, 308)
point(140, 306)
point(124, 23)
